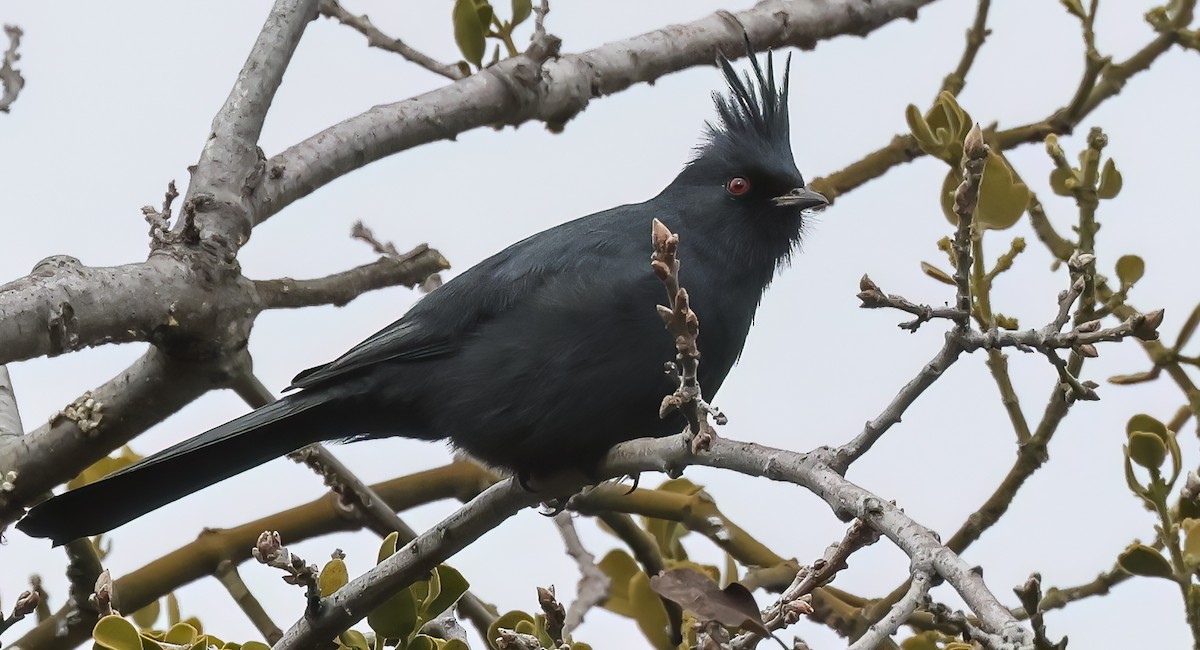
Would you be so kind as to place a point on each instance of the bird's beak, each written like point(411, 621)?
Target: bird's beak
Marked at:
point(802, 198)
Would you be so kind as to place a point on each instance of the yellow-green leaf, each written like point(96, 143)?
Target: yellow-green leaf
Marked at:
point(1130, 269)
point(1075, 8)
point(936, 273)
point(147, 616)
point(455, 644)
point(334, 576)
point(453, 586)
point(468, 32)
point(396, 618)
point(173, 615)
point(1110, 181)
point(1002, 198)
point(1147, 449)
point(181, 634)
point(1143, 422)
point(421, 642)
point(354, 640)
point(921, 131)
point(649, 612)
point(1191, 541)
point(258, 645)
point(1141, 560)
point(115, 633)
point(521, 9)
point(387, 548)
point(1064, 180)
point(509, 621)
point(620, 569)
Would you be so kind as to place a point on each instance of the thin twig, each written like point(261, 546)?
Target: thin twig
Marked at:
point(918, 593)
point(10, 77)
point(270, 551)
point(229, 577)
point(594, 584)
point(976, 36)
point(409, 269)
point(376, 38)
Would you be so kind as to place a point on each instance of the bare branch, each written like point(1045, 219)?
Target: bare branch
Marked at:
point(231, 165)
point(229, 577)
point(376, 38)
point(10, 416)
point(594, 584)
point(501, 501)
point(10, 77)
point(534, 86)
point(918, 593)
point(409, 269)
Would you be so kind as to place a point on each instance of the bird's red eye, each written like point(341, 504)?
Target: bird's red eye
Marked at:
point(738, 186)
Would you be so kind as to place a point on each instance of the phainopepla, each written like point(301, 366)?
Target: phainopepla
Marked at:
point(539, 358)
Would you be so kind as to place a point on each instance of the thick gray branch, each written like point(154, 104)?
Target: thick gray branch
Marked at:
point(230, 164)
point(499, 502)
point(64, 306)
point(522, 88)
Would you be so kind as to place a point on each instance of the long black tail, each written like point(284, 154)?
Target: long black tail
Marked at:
point(230, 449)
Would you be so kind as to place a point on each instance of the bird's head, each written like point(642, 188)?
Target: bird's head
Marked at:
point(744, 167)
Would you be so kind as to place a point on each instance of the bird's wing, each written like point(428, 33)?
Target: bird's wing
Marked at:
point(436, 325)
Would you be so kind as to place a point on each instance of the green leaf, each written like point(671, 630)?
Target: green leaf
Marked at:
point(921, 131)
point(334, 576)
point(115, 633)
point(1075, 8)
point(354, 640)
point(1147, 449)
point(387, 548)
point(1141, 560)
point(1110, 181)
point(1143, 422)
point(936, 273)
point(1130, 269)
point(1064, 180)
point(421, 642)
point(1002, 198)
point(649, 612)
point(486, 13)
point(453, 586)
point(521, 9)
point(620, 569)
point(1191, 541)
point(455, 644)
point(508, 621)
point(173, 616)
point(468, 32)
point(258, 645)
point(147, 616)
point(396, 618)
point(181, 634)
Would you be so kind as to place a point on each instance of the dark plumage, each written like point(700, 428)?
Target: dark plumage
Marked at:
point(540, 357)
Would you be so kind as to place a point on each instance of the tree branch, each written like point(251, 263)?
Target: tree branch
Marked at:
point(203, 557)
point(501, 501)
point(409, 269)
point(531, 87)
point(230, 165)
point(10, 77)
point(376, 38)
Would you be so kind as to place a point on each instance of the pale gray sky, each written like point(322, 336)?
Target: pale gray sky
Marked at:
point(120, 98)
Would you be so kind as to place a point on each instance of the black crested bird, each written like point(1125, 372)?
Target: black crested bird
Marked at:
point(542, 356)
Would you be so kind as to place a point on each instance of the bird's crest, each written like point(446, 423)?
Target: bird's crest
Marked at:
point(752, 115)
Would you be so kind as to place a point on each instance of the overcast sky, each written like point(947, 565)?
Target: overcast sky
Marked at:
point(119, 101)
